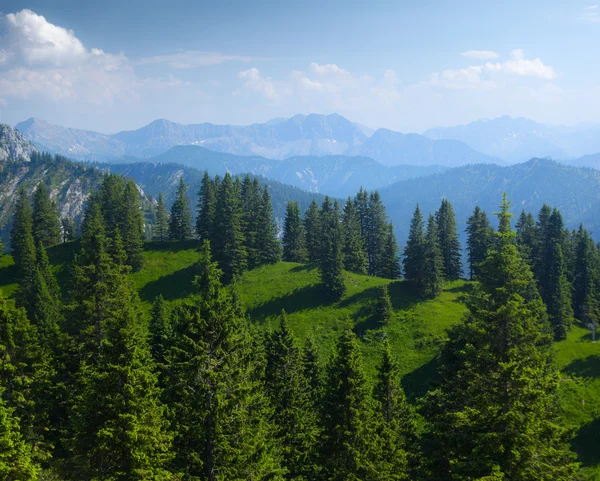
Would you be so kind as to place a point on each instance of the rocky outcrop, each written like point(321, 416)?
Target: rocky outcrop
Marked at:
point(13, 145)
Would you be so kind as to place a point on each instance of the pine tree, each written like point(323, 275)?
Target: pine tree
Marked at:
point(389, 260)
point(161, 229)
point(295, 414)
point(332, 276)
point(350, 444)
point(207, 204)
point(229, 249)
point(493, 414)
point(377, 229)
point(312, 229)
point(414, 252)
point(585, 278)
point(267, 243)
point(480, 239)
point(433, 270)
point(355, 256)
point(543, 243)
point(560, 311)
point(294, 242)
point(312, 368)
point(111, 202)
point(396, 425)
point(526, 236)
point(21, 240)
point(385, 311)
point(46, 222)
point(448, 240)
point(220, 412)
point(180, 221)
point(132, 226)
point(161, 332)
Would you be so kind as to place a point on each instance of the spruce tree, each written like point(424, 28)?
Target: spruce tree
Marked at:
point(294, 242)
point(161, 228)
point(267, 243)
point(111, 199)
point(448, 240)
point(207, 204)
point(312, 229)
point(414, 252)
point(585, 278)
point(180, 220)
point(295, 414)
point(493, 416)
point(558, 303)
point(433, 269)
point(161, 332)
point(389, 260)
point(229, 248)
point(46, 222)
point(385, 311)
point(21, 239)
point(526, 236)
point(350, 444)
point(220, 414)
point(312, 368)
point(377, 229)
point(131, 227)
point(355, 256)
point(480, 239)
point(332, 276)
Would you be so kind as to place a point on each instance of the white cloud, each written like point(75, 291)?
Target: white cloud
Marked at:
point(193, 58)
point(519, 65)
point(480, 54)
point(255, 82)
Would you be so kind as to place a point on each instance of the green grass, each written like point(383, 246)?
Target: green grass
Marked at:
point(415, 333)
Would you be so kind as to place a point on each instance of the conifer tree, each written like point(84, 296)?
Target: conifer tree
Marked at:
point(131, 227)
point(585, 278)
point(111, 202)
point(389, 260)
point(332, 276)
point(68, 231)
point(493, 414)
point(350, 443)
point(180, 220)
point(161, 229)
point(312, 229)
point(414, 252)
point(294, 242)
point(385, 311)
point(21, 239)
point(221, 416)
point(396, 425)
point(312, 368)
point(207, 204)
point(229, 249)
point(355, 256)
point(558, 303)
point(295, 414)
point(251, 203)
point(480, 239)
point(377, 229)
point(526, 235)
point(433, 270)
point(46, 222)
point(448, 240)
point(267, 243)
point(161, 332)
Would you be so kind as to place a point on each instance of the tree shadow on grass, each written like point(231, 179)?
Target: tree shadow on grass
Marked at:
point(172, 246)
point(308, 297)
point(588, 367)
point(173, 286)
point(303, 267)
point(8, 275)
point(418, 382)
point(585, 443)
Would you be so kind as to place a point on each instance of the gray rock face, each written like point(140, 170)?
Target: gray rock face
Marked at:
point(13, 145)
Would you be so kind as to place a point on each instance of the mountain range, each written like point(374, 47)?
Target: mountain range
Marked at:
point(301, 135)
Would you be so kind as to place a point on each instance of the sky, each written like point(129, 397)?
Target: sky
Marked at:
point(405, 65)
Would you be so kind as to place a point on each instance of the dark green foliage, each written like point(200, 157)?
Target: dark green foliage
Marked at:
point(312, 228)
point(433, 270)
point(526, 236)
point(131, 227)
point(480, 239)
point(68, 231)
point(448, 236)
point(161, 228)
point(385, 311)
point(161, 331)
point(251, 203)
point(21, 240)
point(350, 444)
point(389, 259)
point(267, 244)
point(332, 276)
point(414, 252)
point(46, 222)
point(180, 221)
point(295, 413)
point(294, 241)
point(355, 256)
point(207, 204)
point(493, 415)
point(377, 228)
point(229, 249)
point(220, 414)
point(585, 280)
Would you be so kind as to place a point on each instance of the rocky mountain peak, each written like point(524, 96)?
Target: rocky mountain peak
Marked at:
point(13, 145)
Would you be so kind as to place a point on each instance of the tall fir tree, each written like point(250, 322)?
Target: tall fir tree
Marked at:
point(207, 204)
point(294, 241)
point(480, 239)
point(331, 264)
point(161, 228)
point(493, 415)
point(220, 414)
point(68, 230)
point(161, 334)
point(558, 302)
point(389, 259)
point(21, 239)
point(46, 221)
point(448, 240)
point(585, 278)
point(377, 229)
point(229, 249)
point(385, 311)
point(131, 226)
point(414, 252)
point(355, 256)
point(526, 236)
point(251, 203)
point(433, 270)
point(180, 220)
point(267, 243)
point(312, 228)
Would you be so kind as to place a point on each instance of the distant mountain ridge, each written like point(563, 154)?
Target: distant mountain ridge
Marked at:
point(301, 135)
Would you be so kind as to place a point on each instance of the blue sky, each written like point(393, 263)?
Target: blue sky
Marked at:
point(404, 65)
